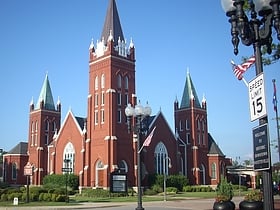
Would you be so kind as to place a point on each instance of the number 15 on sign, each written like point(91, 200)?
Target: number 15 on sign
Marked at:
point(257, 98)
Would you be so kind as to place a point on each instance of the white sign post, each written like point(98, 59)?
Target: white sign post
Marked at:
point(257, 98)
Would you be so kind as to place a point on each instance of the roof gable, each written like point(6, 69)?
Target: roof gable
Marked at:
point(78, 121)
point(213, 147)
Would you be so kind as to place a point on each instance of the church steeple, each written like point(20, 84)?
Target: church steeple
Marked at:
point(112, 24)
point(45, 100)
point(189, 94)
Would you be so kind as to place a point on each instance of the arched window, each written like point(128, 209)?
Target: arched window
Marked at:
point(69, 156)
point(102, 81)
point(213, 171)
point(96, 83)
point(53, 126)
point(162, 161)
point(14, 171)
point(32, 133)
point(47, 125)
point(126, 82)
point(119, 81)
point(123, 166)
point(99, 181)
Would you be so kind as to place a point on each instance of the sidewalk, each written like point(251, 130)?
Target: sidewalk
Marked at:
point(188, 204)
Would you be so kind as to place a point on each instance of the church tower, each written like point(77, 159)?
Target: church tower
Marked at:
point(191, 127)
point(44, 121)
point(111, 87)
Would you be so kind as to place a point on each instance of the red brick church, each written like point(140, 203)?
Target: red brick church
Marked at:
point(98, 144)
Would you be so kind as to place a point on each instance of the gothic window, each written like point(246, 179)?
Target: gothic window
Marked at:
point(95, 117)
point(203, 125)
point(123, 166)
point(213, 171)
point(102, 98)
point(32, 133)
point(119, 81)
point(180, 125)
point(119, 98)
point(69, 157)
point(198, 139)
point(36, 126)
point(126, 99)
point(102, 81)
point(46, 139)
point(126, 82)
point(36, 139)
point(53, 126)
point(102, 116)
point(98, 173)
point(96, 99)
point(96, 83)
point(188, 136)
point(119, 117)
point(198, 124)
point(47, 125)
point(161, 159)
point(202, 139)
point(187, 124)
point(14, 171)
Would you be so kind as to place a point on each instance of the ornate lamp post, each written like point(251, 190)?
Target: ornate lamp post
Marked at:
point(66, 170)
point(138, 114)
point(255, 30)
point(166, 164)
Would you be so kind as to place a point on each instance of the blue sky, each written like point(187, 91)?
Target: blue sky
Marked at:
point(39, 37)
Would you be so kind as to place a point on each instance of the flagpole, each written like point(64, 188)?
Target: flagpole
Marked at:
point(276, 116)
point(245, 82)
point(277, 129)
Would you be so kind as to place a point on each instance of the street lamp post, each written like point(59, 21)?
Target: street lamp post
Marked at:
point(138, 114)
point(66, 170)
point(166, 164)
point(256, 32)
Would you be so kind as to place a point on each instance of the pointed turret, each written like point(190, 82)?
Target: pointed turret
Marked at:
point(112, 26)
point(45, 100)
point(189, 94)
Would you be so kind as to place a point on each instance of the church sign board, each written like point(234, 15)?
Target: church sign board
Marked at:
point(261, 148)
point(118, 182)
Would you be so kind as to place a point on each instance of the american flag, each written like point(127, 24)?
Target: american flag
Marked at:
point(149, 138)
point(239, 70)
point(274, 101)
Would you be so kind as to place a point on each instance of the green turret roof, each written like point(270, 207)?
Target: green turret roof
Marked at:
point(189, 94)
point(46, 96)
point(112, 23)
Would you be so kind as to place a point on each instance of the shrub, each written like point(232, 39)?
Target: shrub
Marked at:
point(172, 190)
point(224, 191)
point(150, 192)
point(157, 188)
point(178, 181)
point(4, 197)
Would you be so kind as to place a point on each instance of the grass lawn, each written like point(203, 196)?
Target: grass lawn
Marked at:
point(76, 200)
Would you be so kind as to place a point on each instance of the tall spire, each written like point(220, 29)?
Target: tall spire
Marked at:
point(112, 24)
point(189, 94)
point(46, 96)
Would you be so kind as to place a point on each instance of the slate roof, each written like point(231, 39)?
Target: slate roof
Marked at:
point(46, 96)
point(213, 147)
point(81, 121)
point(19, 149)
point(112, 23)
point(189, 93)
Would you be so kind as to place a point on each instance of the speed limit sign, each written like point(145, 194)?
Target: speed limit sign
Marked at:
point(257, 98)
